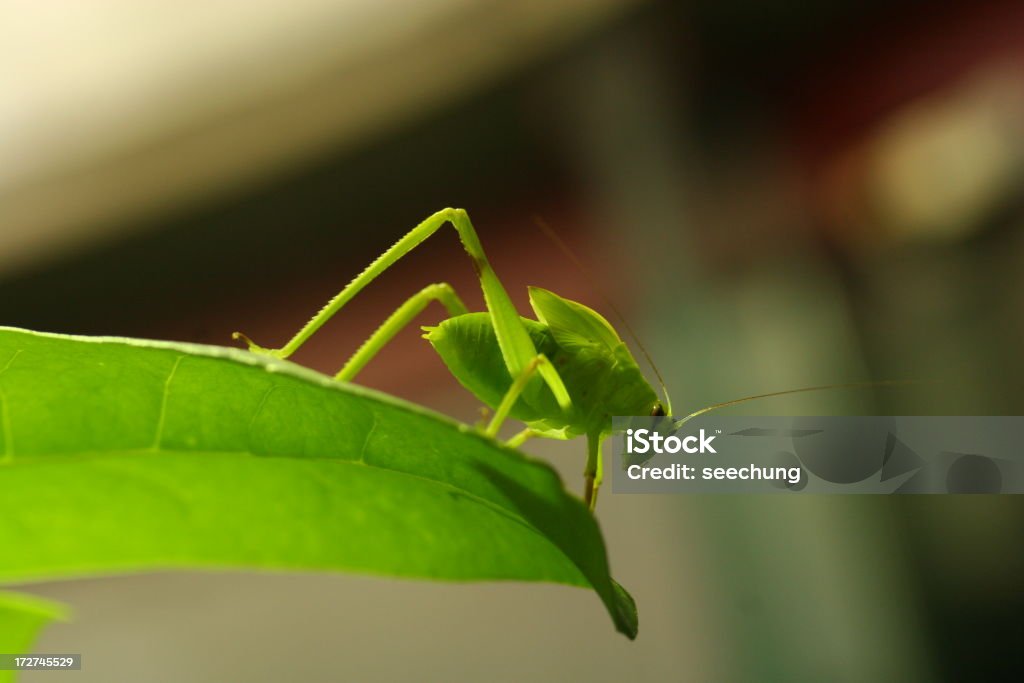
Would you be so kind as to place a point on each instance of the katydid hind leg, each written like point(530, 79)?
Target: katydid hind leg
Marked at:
point(516, 346)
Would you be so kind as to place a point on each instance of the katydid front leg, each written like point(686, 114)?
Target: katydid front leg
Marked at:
point(402, 316)
point(514, 392)
point(593, 473)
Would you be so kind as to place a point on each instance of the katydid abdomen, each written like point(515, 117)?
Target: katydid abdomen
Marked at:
point(602, 381)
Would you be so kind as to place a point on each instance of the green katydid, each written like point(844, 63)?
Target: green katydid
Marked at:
point(565, 374)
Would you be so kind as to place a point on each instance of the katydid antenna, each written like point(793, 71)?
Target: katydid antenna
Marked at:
point(564, 248)
point(850, 385)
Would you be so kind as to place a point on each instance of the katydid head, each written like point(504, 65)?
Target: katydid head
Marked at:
point(588, 336)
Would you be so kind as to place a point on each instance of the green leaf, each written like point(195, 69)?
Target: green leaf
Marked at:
point(124, 455)
point(22, 617)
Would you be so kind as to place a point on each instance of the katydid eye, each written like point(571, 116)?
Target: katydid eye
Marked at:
point(658, 410)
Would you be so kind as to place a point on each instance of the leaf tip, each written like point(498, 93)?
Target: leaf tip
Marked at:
point(626, 618)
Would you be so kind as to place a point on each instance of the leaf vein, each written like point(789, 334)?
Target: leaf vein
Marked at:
point(5, 415)
point(158, 437)
point(259, 410)
point(361, 458)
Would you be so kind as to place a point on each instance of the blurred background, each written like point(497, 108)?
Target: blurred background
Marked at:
point(776, 195)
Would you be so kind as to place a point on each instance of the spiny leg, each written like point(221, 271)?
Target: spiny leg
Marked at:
point(520, 438)
point(517, 349)
point(593, 473)
point(520, 382)
point(403, 315)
